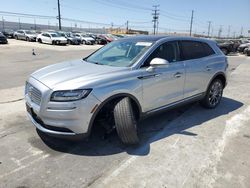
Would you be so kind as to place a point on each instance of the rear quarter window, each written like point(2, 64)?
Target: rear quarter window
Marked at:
point(195, 50)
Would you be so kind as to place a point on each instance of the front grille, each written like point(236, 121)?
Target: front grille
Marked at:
point(34, 94)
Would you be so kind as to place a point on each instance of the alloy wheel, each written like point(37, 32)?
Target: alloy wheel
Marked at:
point(215, 93)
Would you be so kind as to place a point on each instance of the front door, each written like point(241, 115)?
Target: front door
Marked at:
point(164, 85)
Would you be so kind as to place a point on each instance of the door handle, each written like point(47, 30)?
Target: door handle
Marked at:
point(208, 68)
point(177, 75)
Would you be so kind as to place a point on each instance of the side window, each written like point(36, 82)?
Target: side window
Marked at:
point(208, 50)
point(168, 51)
point(195, 50)
point(191, 50)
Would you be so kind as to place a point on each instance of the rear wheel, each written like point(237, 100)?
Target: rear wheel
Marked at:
point(39, 40)
point(213, 95)
point(16, 37)
point(125, 121)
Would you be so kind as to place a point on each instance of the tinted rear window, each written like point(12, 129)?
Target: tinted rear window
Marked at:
point(195, 50)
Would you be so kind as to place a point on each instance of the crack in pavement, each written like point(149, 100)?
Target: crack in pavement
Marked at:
point(12, 101)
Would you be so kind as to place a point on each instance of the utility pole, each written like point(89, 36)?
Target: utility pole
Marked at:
point(220, 31)
point(127, 27)
point(191, 23)
point(35, 23)
point(59, 14)
point(157, 27)
point(228, 31)
point(48, 24)
point(241, 31)
point(155, 16)
point(3, 22)
point(19, 23)
point(209, 26)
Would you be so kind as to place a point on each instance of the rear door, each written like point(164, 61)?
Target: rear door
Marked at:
point(165, 84)
point(197, 59)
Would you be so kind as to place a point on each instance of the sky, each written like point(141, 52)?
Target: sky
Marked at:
point(175, 15)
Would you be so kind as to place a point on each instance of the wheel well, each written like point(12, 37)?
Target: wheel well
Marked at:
point(222, 78)
point(105, 111)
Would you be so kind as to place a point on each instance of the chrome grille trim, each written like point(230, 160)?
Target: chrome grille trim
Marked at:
point(34, 94)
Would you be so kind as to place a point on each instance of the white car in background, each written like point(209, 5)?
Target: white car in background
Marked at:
point(51, 38)
point(85, 39)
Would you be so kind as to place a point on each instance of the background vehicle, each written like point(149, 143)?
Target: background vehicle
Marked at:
point(226, 46)
point(101, 40)
point(9, 33)
point(85, 39)
point(123, 81)
point(70, 37)
point(51, 38)
point(248, 51)
point(3, 39)
point(25, 35)
point(242, 47)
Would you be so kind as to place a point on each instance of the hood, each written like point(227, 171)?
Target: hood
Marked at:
point(245, 45)
point(2, 37)
point(31, 35)
point(88, 38)
point(58, 38)
point(73, 74)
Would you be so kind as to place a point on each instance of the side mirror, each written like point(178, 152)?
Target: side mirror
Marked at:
point(157, 62)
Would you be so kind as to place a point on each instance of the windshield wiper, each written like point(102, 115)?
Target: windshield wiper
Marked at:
point(97, 63)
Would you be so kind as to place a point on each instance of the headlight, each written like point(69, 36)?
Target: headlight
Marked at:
point(70, 95)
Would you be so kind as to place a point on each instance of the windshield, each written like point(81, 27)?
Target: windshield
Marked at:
point(54, 35)
point(120, 53)
point(30, 32)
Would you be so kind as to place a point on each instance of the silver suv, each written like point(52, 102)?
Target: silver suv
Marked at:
point(123, 81)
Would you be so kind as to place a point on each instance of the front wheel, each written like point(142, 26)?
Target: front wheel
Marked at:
point(213, 95)
point(125, 121)
point(27, 39)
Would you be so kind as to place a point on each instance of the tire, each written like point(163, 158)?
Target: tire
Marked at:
point(16, 37)
point(39, 40)
point(84, 42)
point(125, 121)
point(225, 51)
point(27, 39)
point(213, 94)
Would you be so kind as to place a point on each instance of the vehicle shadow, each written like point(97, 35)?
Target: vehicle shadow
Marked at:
point(150, 130)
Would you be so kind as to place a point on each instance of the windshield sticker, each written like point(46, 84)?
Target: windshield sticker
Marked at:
point(143, 44)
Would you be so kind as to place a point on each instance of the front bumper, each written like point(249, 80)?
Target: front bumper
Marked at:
point(3, 41)
point(60, 118)
point(90, 42)
point(61, 42)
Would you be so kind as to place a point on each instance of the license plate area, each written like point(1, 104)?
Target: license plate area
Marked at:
point(29, 109)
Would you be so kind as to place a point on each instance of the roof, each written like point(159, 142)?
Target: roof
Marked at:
point(155, 38)
point(151, 38)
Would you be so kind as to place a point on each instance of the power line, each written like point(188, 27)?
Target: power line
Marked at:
point(26, 15)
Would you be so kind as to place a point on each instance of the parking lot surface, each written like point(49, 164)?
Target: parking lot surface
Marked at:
point(186, 147)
